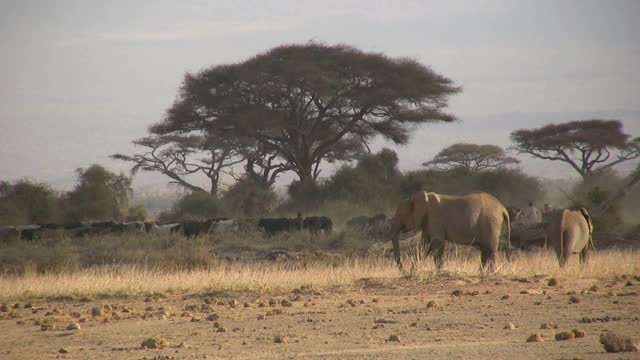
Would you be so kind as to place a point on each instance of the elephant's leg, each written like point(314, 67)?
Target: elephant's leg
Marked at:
point(488, 258)
point(435, 246)
point(438, 255)
point(584, 255)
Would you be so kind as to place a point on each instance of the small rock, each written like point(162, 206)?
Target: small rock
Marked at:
point(506, 297)
point(73, 326)
point(286, 303)
point(393, 338)
point(535, 338)
point(96, 311)
point(594, 288)
point(614, 343)
point(195, 319)
point(47, 327)
point(375, 300)
point(261, 317)
point(574, 299)
point(432, 305)
point(552, 282)
point(457, 292)
point(629, 283)
point(565, 335)
point(63, 351)
point(352, 302)
point(579, 333)
point(549, 325)
point(280, 339)
point(213, 317)
point(510, 326)
point(246, 304)
point(155, 343)
point(221, 329)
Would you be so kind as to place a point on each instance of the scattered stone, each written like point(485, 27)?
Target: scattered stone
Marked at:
point(506, 297)
point(273, 302)
point(184, 345)
point(73, 326)
point(579, 333)
point(614, 343)
point(375, 300)
point(510, 326)
point(286, 303)
point(221, 329)
point(63, 351)
point(155, 343)
point(385, 321)
point(260, 317)
point(280, 339)
point(574, 299)
point(213, 317)
point(393, 338)
point(457, 292)
point(432, 304)
point(246, 304)
point(28, 305)
point(352, 302)
point(233, 303)
point(186, 314)
point(76, 315)
point(261, 304)
point(96, 311)
point(535, 338)
point(195, 319)
point(565, 335)
point(594, 288)
point(549, 325)
point(552, 282)
point(47, 327)
point(629, 283)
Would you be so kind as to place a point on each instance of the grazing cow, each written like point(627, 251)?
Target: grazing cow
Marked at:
point(316, 224)
point(275, 225)
point(30, 232)
point(8, 233)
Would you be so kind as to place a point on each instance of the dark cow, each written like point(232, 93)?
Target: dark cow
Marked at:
point(196, 228)
point(317, 224)
point(275, 225)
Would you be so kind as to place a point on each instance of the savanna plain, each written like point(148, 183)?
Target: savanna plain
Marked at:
point(348, 307)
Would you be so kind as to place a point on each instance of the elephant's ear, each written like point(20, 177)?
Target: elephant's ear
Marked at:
point(587, 217)
point(419, 208)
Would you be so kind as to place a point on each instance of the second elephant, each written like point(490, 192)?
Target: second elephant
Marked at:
point(473, 219)
point(570, 232)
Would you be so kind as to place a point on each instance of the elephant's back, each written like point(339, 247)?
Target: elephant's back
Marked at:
point(576, 226)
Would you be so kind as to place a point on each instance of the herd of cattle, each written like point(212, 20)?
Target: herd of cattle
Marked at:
point(269, 226)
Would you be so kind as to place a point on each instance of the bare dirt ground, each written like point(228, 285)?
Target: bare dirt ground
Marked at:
point(447, 317)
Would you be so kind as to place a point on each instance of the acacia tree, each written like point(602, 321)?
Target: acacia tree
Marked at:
point(311, 103)
point(99, 194)
point(179, 156)
point(472, 157)
point(586, 145)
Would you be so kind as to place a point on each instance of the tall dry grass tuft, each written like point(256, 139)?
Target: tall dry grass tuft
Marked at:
point(124, 280)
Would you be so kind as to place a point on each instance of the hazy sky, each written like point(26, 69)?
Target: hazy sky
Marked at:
point(82, 79)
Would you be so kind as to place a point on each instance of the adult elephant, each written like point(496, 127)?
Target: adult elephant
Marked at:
point(472, 219)
point(570, 232)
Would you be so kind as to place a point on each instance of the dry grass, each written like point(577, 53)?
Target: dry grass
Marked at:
point(273, 278)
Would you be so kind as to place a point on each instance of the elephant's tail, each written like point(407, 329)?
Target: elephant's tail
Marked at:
point(505, 216)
